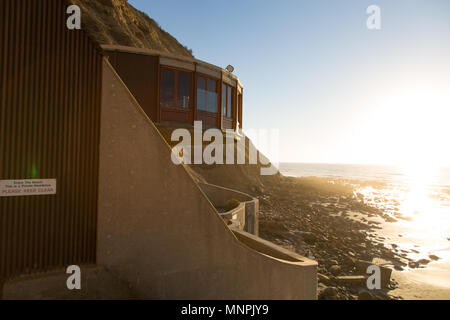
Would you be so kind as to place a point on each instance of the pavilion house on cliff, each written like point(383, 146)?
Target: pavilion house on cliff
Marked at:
point(179, 90)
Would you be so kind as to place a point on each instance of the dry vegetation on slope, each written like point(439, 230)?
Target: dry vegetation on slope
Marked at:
point(117, 22)
point(242, 177)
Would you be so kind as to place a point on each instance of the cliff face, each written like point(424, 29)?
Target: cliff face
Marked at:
point(246, 177)
point(117, 22)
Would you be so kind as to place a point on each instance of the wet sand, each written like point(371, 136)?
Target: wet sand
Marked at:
point(430, 283)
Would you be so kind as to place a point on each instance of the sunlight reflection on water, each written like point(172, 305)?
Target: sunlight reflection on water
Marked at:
point(420, 204)
point(419, 201)
point(418, 197)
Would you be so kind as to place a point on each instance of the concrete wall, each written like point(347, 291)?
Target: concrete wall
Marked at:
point(251, 217)
point(219, 197)
point(236, 216)
point(265, 247)
point(159, 232)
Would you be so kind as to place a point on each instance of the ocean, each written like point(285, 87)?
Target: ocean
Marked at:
point(418, 200)
point(388, 174)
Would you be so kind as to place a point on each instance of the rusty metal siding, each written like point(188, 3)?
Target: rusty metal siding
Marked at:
point(50, 95)
point(140, 74)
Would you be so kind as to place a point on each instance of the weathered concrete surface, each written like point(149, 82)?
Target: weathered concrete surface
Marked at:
point(219, 197)
point(252, 217)
point(236, 216)
point(159, 232)
point(266, 247)
point(96, 283)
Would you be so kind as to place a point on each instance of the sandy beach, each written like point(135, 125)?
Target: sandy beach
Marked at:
point(431, 283)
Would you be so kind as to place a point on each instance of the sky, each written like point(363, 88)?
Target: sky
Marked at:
point(336, 91)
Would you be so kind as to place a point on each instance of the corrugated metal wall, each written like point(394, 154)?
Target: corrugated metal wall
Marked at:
point(140, 73)
point(50, 91)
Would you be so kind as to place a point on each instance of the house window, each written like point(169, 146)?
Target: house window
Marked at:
point(175, 91)
point(229, 104)
point(224, 100)
point(201, 94)
point(227, 101)
point(212, 96)
point(167, 95)
point(183, 89)
point(207, 97)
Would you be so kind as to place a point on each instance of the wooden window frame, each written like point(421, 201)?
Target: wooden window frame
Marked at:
point(207, 77)
point(226, 100)
point(175, 97)
point(240, 102)
point(222, 104)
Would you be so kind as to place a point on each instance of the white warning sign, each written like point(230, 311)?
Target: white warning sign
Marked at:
point(31, 187)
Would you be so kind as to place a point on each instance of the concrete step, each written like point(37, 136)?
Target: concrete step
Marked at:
point(351, 280)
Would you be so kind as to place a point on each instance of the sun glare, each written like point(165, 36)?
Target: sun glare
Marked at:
point(413, 129)
point(410, 130)
point(419, 206)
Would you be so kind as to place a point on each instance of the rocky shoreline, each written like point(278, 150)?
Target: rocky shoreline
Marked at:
point(328, 220)
point(313, 217)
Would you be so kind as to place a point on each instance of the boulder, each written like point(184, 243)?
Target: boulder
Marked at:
point(330, 292)
point(365, 295)
point(349, 261)
point(308, 237)
point(380, 295)
point(335, 270)
point(361, 266)
point(332, 262)
point(423, 261)
point(389, 219)
point(351, 280)
point(323, 278)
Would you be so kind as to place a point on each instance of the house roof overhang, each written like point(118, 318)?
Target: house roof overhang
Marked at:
point(168, 59)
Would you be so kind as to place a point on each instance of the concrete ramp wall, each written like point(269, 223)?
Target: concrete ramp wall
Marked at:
point(158, 231)
point(219, 197)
